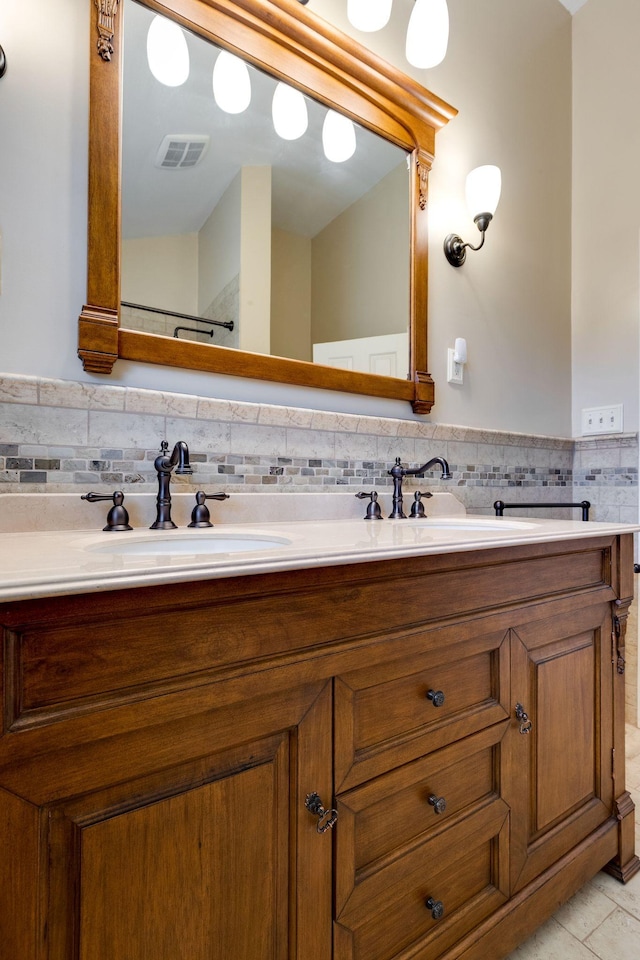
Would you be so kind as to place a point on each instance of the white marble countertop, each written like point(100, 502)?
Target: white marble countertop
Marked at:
point(53, 562)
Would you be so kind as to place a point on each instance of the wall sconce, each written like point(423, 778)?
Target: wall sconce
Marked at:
point(483, 193)
point(3, 63)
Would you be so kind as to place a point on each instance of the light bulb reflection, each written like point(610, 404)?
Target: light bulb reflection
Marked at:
point(231, 83)
point(289, 112)
point(167, 52)
point(338, 137)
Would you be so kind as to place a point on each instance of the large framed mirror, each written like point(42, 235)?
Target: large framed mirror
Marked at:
point(218, 240)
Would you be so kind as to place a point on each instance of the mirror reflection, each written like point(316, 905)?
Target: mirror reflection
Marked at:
point(243, 226)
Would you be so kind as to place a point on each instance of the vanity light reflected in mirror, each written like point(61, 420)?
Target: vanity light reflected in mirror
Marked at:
point(289, 112)
point(338, 137)
point(167, 52)
point(231, 83)
point(483, 189)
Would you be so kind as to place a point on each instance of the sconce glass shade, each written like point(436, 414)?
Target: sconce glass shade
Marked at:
point(338, 137)
point(483, 188)
point(369, 15)
point(289, 112)
point(428, 33)
point(167, 52)
point(231, 83)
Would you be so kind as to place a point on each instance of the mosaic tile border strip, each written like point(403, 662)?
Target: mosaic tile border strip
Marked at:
point(26, 465)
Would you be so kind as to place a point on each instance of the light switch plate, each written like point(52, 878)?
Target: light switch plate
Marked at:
point(602, 419)
point(455, 371)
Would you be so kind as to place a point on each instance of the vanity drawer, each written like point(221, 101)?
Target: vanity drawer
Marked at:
point(386, 817)
point(432, 896)
point(395, 712)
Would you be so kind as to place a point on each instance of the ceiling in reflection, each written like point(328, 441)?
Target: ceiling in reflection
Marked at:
point(308, 191)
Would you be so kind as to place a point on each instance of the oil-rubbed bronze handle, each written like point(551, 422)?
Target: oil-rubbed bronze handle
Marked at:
point(436, 907)
point(439, 804)
point(523, 719)
point(436, 697)
point(326, 818)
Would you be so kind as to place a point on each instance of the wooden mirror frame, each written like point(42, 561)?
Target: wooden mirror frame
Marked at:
point(289, 42)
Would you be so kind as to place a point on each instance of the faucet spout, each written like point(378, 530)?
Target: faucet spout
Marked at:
point(398, 472)
point(442, 463)
point(164, 465)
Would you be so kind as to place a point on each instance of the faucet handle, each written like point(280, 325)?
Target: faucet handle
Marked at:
point(417, 507)
point(117, 518)
point(373, 510)
point(200, 516)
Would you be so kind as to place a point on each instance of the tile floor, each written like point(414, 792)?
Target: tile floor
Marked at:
point(603, 919)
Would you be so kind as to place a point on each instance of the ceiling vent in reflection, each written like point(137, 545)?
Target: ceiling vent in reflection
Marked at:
point(178, 151)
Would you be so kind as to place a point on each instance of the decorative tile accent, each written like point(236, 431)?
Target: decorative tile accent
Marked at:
point(86, 433)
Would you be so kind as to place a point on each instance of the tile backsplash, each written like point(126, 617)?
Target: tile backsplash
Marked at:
point(58, 435)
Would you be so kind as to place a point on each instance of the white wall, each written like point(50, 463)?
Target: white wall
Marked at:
point(507, 71)
point(255, 260)
point(219, 246)
point(161, 272)
point(290, 295)
point(606, 212)
point(360, 265)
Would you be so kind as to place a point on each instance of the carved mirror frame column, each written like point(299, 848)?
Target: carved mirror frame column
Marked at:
point(283, 38)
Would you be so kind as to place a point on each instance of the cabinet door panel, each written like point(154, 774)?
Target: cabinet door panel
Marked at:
point(213, 856)
point(559, 783)
point(184, 853)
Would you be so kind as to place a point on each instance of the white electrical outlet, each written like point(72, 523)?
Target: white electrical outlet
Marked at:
point(455, 370)
point(602, 419)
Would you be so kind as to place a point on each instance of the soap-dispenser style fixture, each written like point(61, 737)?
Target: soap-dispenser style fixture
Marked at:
point(483, 193)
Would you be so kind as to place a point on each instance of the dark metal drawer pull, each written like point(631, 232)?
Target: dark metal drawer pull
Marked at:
point(436, 697)
point(523, 719)
point(439, 804)
point(436, 907)
point(326, 818)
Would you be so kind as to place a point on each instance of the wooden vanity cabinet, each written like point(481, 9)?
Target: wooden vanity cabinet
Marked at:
point(159, 745)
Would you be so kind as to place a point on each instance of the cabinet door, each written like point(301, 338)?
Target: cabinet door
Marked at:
point(207, 852)
point(558, 782)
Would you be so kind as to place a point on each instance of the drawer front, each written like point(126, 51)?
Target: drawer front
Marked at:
point(396, 712)
point(390, 815)
point(431, 897)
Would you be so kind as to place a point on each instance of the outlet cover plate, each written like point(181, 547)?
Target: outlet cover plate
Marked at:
point(602, 419)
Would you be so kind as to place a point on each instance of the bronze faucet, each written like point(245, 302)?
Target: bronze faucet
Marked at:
point(164, 465)
point(398, 472)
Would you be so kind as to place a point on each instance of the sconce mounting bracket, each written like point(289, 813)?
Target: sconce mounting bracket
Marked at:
point(455, 250)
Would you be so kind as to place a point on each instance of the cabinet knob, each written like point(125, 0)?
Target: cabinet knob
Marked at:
point(327, 819)
point(436, 697)
point(439, 804)
point(436, 907)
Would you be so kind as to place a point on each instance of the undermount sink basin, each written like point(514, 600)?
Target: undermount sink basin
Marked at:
point(184, 544)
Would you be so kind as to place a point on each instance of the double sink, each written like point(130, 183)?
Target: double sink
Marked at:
point(181, 543)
